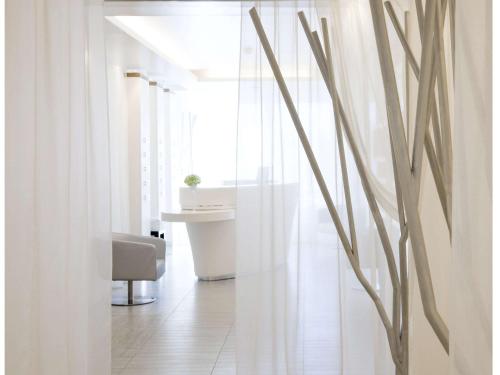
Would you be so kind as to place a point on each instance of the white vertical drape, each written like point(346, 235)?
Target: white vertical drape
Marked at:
point(300, 309)
point(58, 248)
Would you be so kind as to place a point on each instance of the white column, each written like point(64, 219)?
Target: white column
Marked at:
point(139, 153)
point(155, 96)
point(160, 154)
point(165, 158)
point(118, 125)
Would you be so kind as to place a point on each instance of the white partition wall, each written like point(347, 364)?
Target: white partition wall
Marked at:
point(138, 107)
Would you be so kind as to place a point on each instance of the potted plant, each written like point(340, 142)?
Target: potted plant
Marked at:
point(192, 180)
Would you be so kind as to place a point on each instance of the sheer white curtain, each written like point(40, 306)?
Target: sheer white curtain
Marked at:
point(215, 107)
point(58, 248)
point(300, 309)
point(180, 143)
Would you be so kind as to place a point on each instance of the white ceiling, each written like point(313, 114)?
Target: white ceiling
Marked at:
point(194, 38)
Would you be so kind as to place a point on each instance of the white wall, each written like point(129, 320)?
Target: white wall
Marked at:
point(129, 102)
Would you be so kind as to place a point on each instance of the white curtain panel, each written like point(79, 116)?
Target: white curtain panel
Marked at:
point(58, 248)
point(300, 309)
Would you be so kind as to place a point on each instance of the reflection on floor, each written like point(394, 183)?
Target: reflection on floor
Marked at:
point(188, 331)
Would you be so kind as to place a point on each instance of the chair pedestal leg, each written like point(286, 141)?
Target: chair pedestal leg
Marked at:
point(130, 288)
point(131, 300)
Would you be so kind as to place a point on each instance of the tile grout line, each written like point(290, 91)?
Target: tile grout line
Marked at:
point(222, 347)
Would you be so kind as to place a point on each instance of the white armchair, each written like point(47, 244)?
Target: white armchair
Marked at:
point(137, 258)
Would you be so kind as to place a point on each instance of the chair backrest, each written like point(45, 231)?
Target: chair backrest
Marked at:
point(159, 243)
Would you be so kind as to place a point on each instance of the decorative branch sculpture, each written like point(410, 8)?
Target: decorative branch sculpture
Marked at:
point(429, 147)
point(407, 175)
point(410, 181)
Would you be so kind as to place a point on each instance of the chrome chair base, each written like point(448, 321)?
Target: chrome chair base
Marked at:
point(124, 301)
point(130, 300)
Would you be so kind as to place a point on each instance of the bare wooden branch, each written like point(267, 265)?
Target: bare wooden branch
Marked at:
point(370, 196)
point(403, 269)
point(403, 249)
point(435, 120)
point(402, 38)
point(436, 131)
point(300, 130)
point(324, 190)
point(340, 139)
point(403, 163)
point(402, 327)
point(424, 90)
point(416, 70)
point(407, 174)
point(438, 179)
point(315, 45)
point(444, 108)
point(396, 320)
point(446, 145)
point(420, 17)
point(429, 148)
point(452, 32)
point(407, 85)
point(396, 303)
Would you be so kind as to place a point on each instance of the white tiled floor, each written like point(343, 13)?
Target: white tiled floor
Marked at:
point(188, 331)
